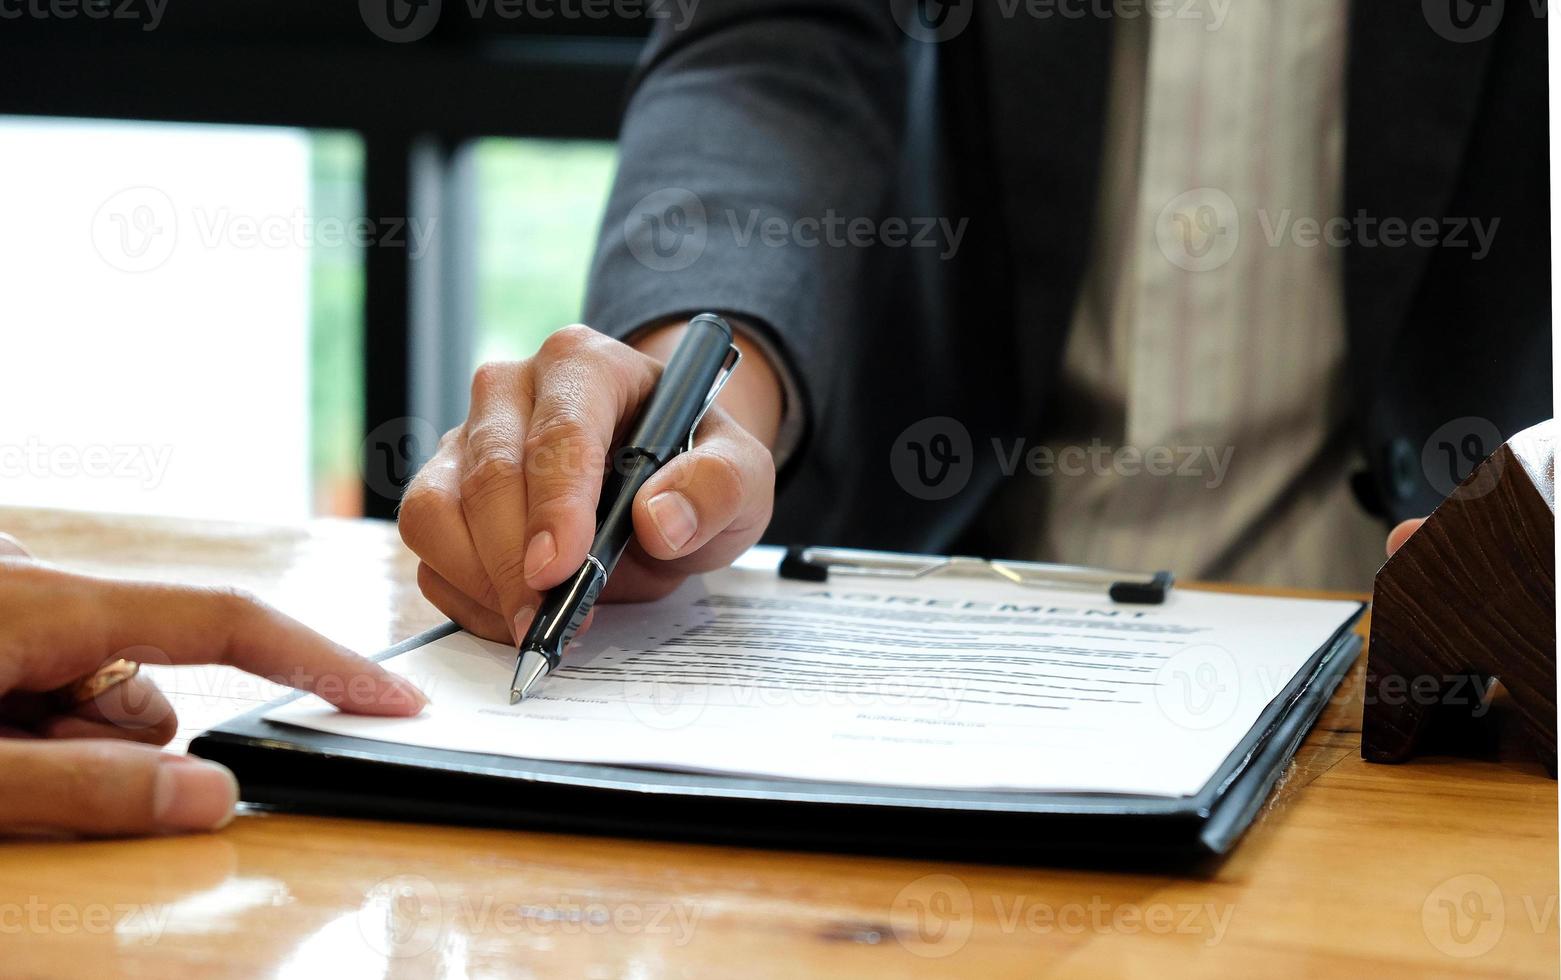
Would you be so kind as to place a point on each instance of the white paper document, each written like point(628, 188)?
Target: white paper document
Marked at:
point(956, 683)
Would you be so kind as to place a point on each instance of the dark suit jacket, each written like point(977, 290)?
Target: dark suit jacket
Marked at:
point(798, 108)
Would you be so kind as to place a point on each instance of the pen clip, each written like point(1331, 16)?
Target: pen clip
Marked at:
point(733, 358)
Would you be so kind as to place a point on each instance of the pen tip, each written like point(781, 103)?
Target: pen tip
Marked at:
point(532, 667)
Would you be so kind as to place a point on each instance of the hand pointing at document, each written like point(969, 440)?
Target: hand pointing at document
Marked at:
point(77, 763)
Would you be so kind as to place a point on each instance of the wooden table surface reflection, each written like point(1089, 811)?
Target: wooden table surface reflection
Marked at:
point(1445, 866)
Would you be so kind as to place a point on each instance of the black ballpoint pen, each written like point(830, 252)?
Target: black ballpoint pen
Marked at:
point(704, 359)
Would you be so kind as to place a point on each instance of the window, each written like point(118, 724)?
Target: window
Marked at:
point(540, 204)
point(157, 305)
point(184, 307)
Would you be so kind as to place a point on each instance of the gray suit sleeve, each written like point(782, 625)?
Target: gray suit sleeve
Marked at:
point(753, 135)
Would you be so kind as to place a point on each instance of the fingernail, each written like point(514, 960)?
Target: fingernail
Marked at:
point(411, 692)
point(193, 794)
point(523, 621)
point(540, 553)
point(674, 517)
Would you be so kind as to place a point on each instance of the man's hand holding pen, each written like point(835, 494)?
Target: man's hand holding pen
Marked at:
point(506, 509)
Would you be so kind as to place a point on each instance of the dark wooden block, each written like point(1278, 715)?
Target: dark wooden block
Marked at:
point(1470, 597)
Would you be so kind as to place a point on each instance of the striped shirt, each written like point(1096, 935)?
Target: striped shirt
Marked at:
point(1202, 422)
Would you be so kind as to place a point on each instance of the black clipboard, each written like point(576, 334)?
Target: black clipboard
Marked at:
point(290, 768)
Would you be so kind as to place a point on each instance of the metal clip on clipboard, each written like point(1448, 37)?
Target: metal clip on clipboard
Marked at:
point(808, 564)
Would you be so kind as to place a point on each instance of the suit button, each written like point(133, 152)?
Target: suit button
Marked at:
point(1403, 469)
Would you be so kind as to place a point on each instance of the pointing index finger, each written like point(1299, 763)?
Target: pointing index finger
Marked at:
point(64, 626)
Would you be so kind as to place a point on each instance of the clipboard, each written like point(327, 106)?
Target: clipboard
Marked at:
point(816, 564)
point(288, 768)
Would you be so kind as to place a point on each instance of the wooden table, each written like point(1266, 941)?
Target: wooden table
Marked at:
point(1446, 866)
